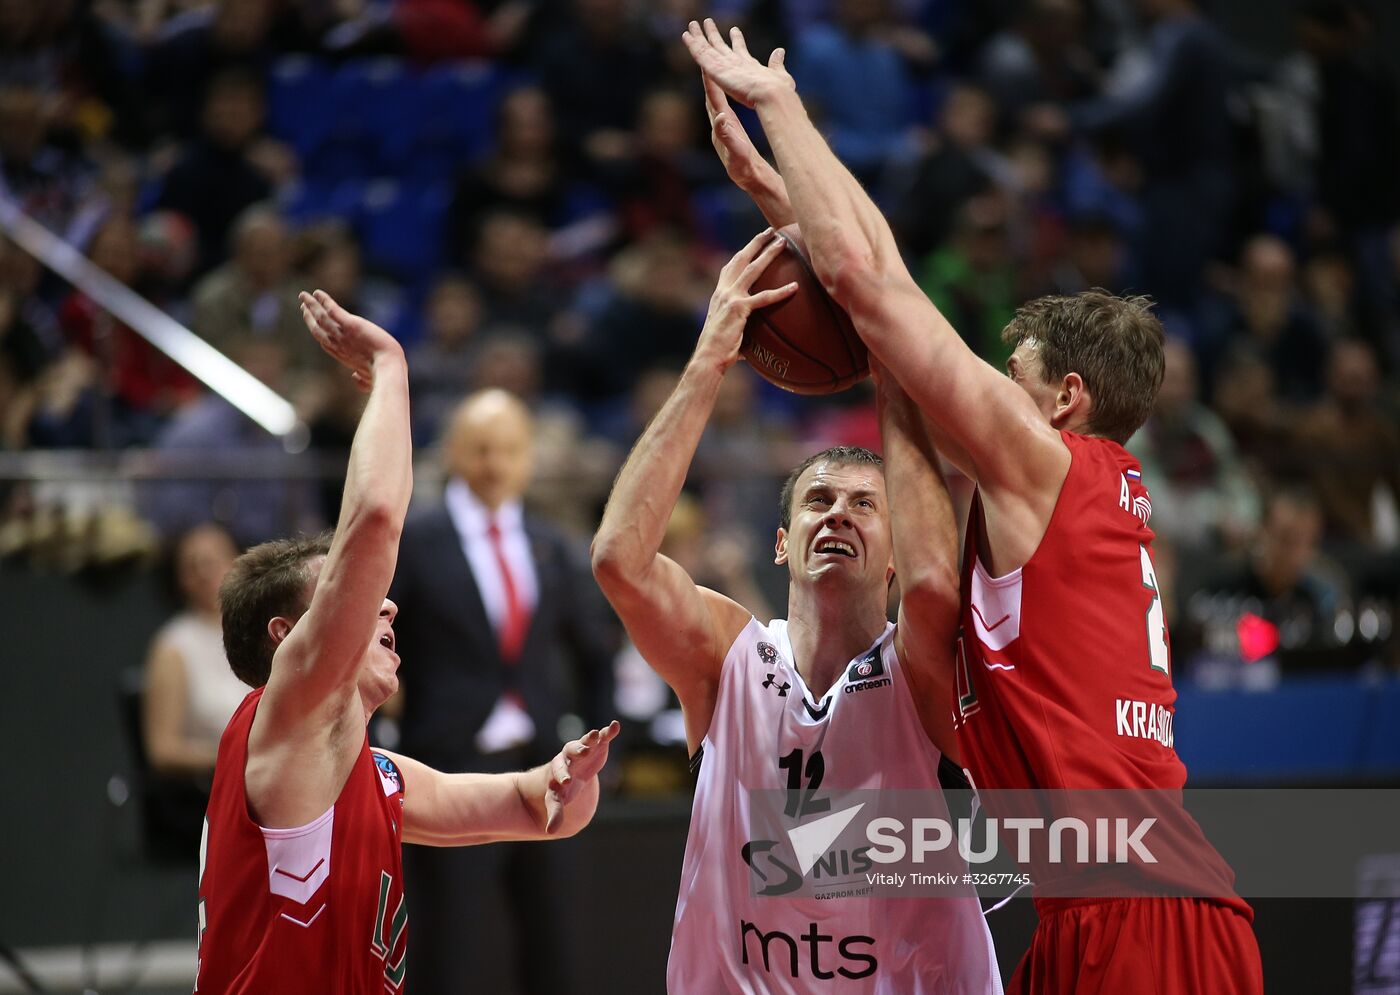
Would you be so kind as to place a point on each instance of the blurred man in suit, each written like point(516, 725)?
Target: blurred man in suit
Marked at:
point(507, 633)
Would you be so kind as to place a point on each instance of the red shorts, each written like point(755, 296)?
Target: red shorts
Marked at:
point(1141, 946)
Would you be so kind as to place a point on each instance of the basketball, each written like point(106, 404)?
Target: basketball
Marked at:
point(806, 343)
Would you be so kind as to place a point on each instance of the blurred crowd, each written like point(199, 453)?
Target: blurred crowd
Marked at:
point(523, 191)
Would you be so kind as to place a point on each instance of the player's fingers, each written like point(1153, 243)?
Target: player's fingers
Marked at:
point(609, 732)
point(736, 40)
point(767, 298)
point(554, 813)
point(337, 313)
point(559, 771)
point(713, 36)
point(761, 262)
point(715, 100)
point(744, 256)
point(776, 59)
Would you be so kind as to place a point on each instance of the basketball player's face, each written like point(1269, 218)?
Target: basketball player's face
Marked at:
point(840, 525)
point(379, 675)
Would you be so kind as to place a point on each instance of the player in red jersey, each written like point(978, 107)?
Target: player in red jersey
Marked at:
point(300, 884)
point(1066, 676)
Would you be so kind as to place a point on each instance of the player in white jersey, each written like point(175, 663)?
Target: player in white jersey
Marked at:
point(832, 698)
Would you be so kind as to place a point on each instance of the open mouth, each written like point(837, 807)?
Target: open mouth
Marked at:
point(838, 547)
point(387, 640)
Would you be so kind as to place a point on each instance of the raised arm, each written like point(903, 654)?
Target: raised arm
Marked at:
point(682, 630)
point(991, 427)
point(925, 561)
point(749, 171)
point(548, 802)
point(317, 663)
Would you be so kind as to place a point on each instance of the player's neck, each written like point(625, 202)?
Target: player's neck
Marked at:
point(827, 629)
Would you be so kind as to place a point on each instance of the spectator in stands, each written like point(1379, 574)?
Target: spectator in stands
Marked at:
point(1095, 255)
point(230, 166)
point(1268, 315)
point(228, 459)
point(428, 31)
point(198, 46)
point(253, 296)
point(959, 162)
point(440, 366)
point(648, 320)
point(973, 278)
point(1247, 401)
point(523, 172)
point(1358, 133)
point(1329, 285)
point(1352, 447)
point(502, 632)
point(1176, 116)
point(145, 385)
point(1039, 56)
point(596, 65)
point(1286, 581)
point(510, 259)
point(1201, 495)
point(856, 73)
point(653, 177)
point(190, 692)
point(50, 181)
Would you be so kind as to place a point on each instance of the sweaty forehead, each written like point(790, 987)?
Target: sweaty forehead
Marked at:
point(842, 476)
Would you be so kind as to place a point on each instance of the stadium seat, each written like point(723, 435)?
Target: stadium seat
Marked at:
point(400, 227)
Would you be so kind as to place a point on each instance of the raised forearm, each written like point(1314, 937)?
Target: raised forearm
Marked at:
point(841, 225)
point(379, 479)
point(634, 523)
point(923, 525)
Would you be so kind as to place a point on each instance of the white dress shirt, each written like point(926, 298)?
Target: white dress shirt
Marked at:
point(471, 519)
point(508, 725)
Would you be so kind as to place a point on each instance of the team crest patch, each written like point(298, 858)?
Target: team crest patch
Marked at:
point(389, 775)
point(768, 653)
point(867, 667)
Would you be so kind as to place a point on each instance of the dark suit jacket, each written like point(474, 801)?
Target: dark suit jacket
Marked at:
point(452, 670)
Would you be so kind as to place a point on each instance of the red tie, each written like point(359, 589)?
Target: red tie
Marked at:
point(511, 635)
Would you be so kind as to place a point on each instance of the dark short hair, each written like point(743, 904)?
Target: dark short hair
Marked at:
point(836, 455)
point(268, 581)
point(1114, 343)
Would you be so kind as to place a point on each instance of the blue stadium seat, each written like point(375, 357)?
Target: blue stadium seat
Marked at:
point(309, 200)
point(400, 227)
point(298, 100)
point(449, 122)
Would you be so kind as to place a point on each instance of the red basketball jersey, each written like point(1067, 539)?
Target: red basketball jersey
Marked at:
point(318, 908)
point(1064, 668)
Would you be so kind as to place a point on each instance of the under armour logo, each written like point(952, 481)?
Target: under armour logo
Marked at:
point(782, 688)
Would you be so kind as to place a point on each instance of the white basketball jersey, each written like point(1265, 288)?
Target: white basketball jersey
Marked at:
point(864, 733)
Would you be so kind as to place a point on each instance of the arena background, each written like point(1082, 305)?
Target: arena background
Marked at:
point(1012, 163)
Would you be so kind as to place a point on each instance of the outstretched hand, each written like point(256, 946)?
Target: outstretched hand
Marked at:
point(573, 767)
point(349, 339)
point(731, 304)
point(730, 65)
point(742, 161)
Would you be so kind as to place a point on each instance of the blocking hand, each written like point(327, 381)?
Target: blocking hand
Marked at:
point(731, 66)
point(573, 767)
